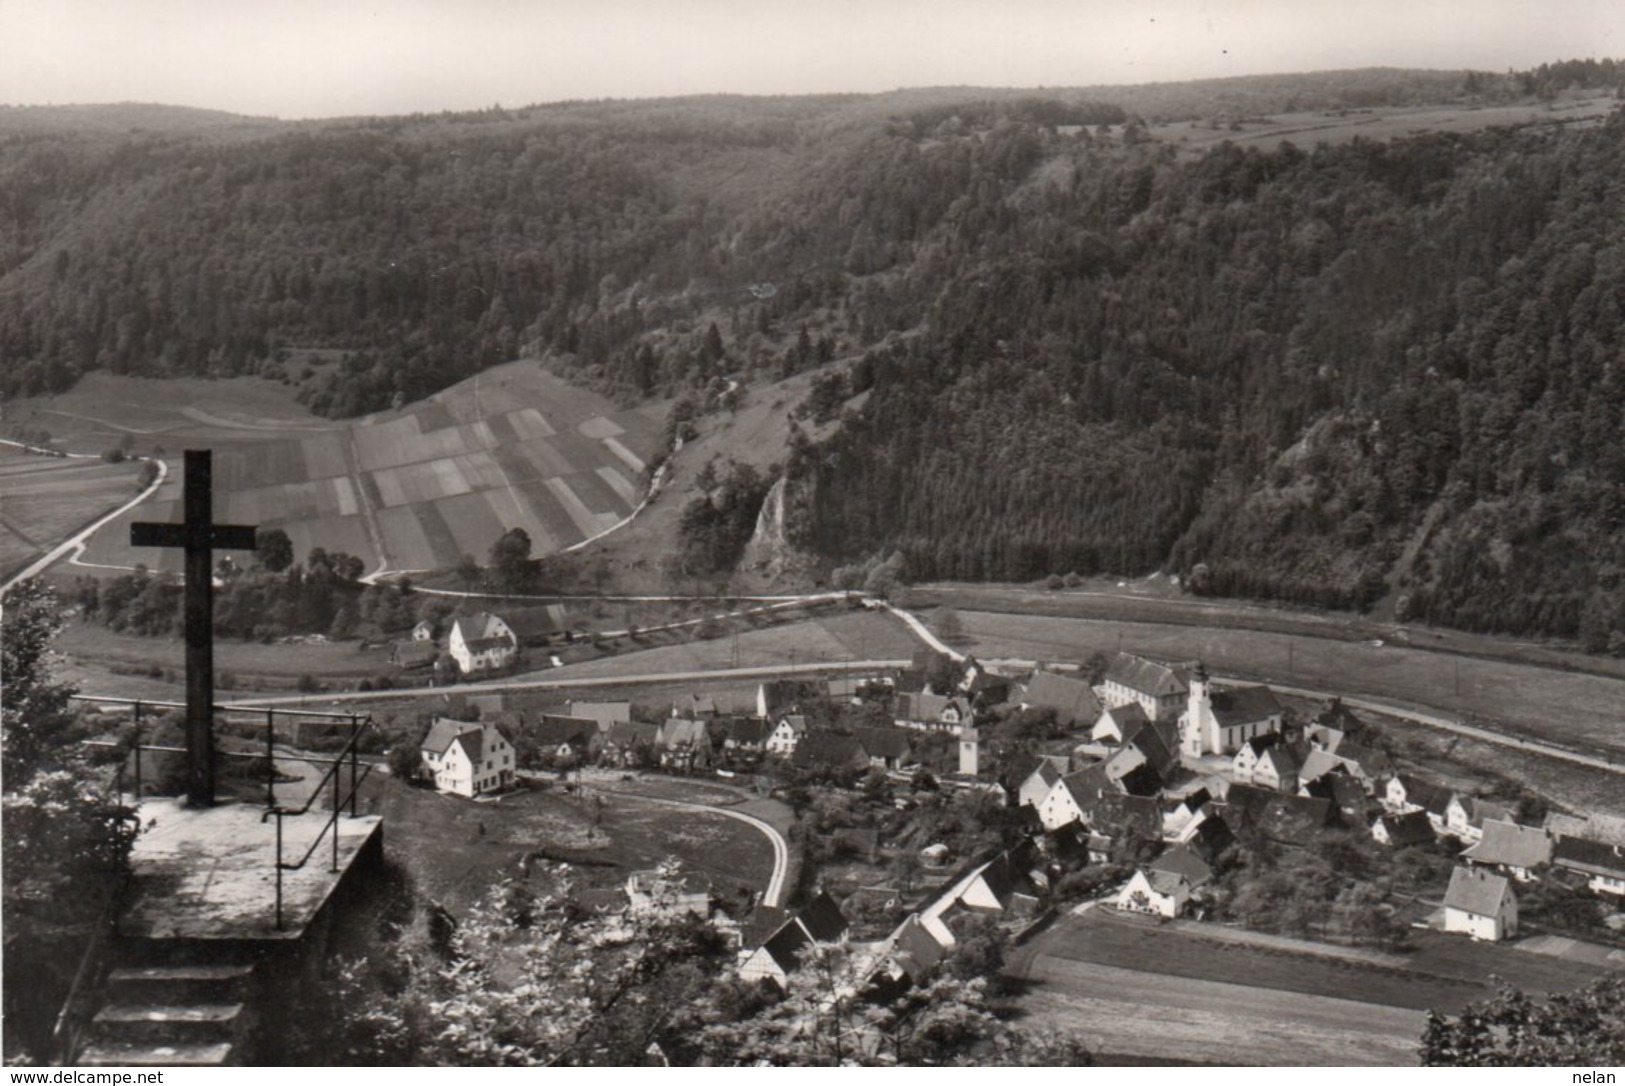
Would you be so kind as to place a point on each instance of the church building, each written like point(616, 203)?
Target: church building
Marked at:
point(1220, 721)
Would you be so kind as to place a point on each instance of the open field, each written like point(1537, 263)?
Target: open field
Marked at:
point(1381, 124)
point(47, 499)
point(457, 848)
point(513, 447)
point(1580, 710)
point(1141, 987)
point(829, 638)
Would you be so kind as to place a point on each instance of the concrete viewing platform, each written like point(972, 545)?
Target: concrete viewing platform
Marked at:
point(211, 873)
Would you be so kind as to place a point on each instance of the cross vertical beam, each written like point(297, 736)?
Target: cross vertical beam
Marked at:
point(199, 537)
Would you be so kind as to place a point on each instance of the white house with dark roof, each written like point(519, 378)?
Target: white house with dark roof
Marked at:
point(1480, 903)
point(468, 758)
point(1464, 817)
point(786, 735)
point(481, 642)
point(1220, 721)
point(1511, 849)
point(1156, 687)
point(1160, 893)
point(1602, 864)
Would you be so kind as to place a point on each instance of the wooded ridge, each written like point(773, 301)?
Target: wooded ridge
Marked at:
point(1374, 373)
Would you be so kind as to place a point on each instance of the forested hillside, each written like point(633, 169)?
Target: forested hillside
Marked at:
point(1382, 370)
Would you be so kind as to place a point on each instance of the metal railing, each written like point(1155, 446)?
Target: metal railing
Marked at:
point(347, 755)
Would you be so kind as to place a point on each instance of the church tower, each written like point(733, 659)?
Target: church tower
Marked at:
point(1197, 722)
point(969, 747)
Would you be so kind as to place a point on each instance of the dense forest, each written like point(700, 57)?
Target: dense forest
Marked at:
point(1377, 371)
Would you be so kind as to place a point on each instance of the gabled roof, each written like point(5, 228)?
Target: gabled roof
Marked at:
point(1192, 801)
point(1425, 794)
point(414, 652)
point(1184, 862)
point(1166, 883)
point(1592, 857)
point(1281, 758)
point(1127, 717)
point(1374, 762)
point(795, 722)
point(883, 742)
point(1477, 891)
point(472, 627)
point(1511, 844)
point(822, 919)
point(1410, 828)
point(827, 748)
point(1339, 787)
point(1238, 705)
point(760, 925)
point(605, 712)
point(676, 732)
point(1318, 763)
point(1258, 744)
point(1143, 780)
point(1117, 812)
point(915, 949)
point(781, 694)
point(748, 729)
point(1339, 717)
point(786, 945)
point(699, 704)
point(443, 731)
point(532, 622)
point(552, 731)
point(1158, 754)
point(633, 734)
point(1073, 700)
point(1145, 676)
point(1481, 811)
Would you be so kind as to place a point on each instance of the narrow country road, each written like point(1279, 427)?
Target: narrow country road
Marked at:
point(774, 894)
point(76, 542)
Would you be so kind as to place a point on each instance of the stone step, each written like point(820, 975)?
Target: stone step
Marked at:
point(146, 1022)
point(176, 985)
point(131, 1054)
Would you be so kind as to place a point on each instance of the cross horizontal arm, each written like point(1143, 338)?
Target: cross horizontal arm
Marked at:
point(236, 537)
point(147, 534)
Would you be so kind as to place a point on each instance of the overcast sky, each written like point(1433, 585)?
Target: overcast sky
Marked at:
point(320, 58)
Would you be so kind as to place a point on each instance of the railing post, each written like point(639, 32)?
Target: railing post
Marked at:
point(270, 757)
point(138, 766)
point(278, 815)
point(333, 823)
point(355, 759)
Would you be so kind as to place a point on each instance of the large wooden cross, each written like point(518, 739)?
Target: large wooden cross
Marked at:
point(200, 537)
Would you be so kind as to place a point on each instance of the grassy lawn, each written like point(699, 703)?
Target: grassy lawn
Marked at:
point(1572, 708)
point(456, 848)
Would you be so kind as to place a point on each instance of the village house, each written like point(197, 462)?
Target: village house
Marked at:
point(1159, 893)
point(887, 748)
point(684, 744)
point(1064, 803)
point(1185, 810)
point(827, 750)
point(668, 896)
point(780, 696)
point(695, 707)
point(564, 740)
point(1264, 760)
point(1399, 830)
point(1072, 700)
point(1600, 863)
point(1118, 721)
point(1220, 721)
point(629, 744)
point(1037, 784)
point(786, 735)
point(745, 735)
point(468, 758)
point(606, 713)
point(1346, 793)
point(932, 712)
point(412, 655)
point(820, 923)
point(481, 642)
point(1511, 849)
point(1156, 687)
point(1407, 793)
point(1464, 817)
point(1481, 904)
point(423, 631)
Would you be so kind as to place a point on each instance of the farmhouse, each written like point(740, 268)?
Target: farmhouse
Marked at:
point(1156, 687)
point(1264, 760)
point(684, 744)
point(412, 655)
point(481, 642)
point(468, 758)
point(1073, 700)
point(629, 743)
point(1220, 721)
point(1602, 864)
point(423, 631)
point(605, 713)
point(1118, 721)
point(668, 896)
point(887, 748)
point(1480, 903)
point(786, 735)
point(931, 712)
point(563, 739)
point(745, 734)
point(1344, 791)
point(826, 750)
point(1511, 849)
point(1160, 893)
point(820, 923)
point(1399, 830)
point(1464, 817)
point(1033, 787)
